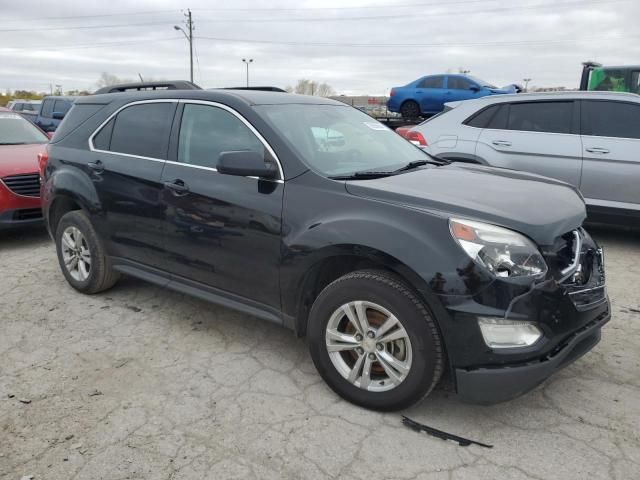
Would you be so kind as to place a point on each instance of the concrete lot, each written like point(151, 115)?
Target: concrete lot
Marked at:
point(142, 383)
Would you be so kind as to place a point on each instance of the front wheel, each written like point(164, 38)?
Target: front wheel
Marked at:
point(374, 342)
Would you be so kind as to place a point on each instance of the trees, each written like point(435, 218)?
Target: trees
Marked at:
point(311, 87)
point(107, 79)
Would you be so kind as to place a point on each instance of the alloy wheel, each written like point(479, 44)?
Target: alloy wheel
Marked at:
point(368, 346)
point(76, 254)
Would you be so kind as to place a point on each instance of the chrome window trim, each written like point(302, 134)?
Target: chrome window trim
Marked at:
point(186, 101)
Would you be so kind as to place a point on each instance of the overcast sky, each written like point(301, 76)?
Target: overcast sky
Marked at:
point(357, 46)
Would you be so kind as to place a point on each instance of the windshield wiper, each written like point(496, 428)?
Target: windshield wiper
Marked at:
point(420, 163)
point(13, 143)
point(362, 175)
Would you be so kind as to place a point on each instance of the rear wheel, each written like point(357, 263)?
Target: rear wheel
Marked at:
point(410, 110)
point(81, 255)
point(374, 341)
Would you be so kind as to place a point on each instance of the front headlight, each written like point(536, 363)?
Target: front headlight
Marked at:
point(503, 252)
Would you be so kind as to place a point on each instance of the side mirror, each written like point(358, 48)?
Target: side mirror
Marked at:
point(57, 115)
point(246, 164)
point(474, 88)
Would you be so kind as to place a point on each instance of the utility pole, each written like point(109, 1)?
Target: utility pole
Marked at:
point(189, 37)
point(526, 83)
point(247, 62)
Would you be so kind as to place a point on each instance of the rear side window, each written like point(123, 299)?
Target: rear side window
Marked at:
point(549, 117)
point(76, 116)
point(143, 130)
point(610, 119)
point(102, 140)
point(47, 108)
point(432, 82)
point(483, 118)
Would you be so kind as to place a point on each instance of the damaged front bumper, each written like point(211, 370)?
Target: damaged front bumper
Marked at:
point(569, 307)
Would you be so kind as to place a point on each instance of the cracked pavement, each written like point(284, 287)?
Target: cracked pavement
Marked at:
point(144, 383)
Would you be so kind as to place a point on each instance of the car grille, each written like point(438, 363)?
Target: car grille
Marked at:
point(27, 185)
point(579, 266)
point(27, 214)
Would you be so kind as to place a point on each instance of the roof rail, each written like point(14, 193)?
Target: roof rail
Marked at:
point(263, 89)
point(143, 86)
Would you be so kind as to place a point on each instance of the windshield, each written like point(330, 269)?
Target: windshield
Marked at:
point(481, 82)
point(15, 130)
point(337, 140)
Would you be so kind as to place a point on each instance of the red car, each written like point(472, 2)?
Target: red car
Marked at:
point(20, 144)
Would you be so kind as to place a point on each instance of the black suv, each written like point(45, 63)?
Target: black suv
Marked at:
point(308, 213)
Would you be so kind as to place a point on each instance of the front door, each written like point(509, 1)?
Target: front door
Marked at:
point(125, 166)
point(611, 142)
point(222, 231)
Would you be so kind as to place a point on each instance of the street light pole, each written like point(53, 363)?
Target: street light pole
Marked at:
point(189, 37)
point(247, 62)
point(526, 83)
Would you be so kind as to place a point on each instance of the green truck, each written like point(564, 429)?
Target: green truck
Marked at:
point(611, 79)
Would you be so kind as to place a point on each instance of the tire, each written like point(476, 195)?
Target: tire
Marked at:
point(410, 110)
point(97, 275)
point(419, 351)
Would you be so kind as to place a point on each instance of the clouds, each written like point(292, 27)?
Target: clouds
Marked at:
point(500, 41)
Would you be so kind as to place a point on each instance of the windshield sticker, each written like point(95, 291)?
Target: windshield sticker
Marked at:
point(376, 126)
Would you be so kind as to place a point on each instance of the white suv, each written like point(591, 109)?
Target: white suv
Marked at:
point(588, 139)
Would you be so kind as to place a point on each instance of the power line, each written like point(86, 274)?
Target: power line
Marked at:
point(99, 15)
point(422, 45)
point(412, 16)
point(149, 41)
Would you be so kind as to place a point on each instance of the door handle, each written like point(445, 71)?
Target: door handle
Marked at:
point(598, 150)
point(177, 187)
point(501, 143)
point(96, 167)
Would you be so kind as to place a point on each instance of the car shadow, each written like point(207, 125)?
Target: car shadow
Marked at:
point(23, 237)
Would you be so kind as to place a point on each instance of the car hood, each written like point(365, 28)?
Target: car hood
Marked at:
point(540, 207)
point(17, 159)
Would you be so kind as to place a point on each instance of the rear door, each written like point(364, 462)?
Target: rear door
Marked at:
point(537, 136)
point(611, 140)
point(222, 231)
point(128, 154)
point(430, 94)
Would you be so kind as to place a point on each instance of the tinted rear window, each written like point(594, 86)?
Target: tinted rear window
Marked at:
point(143, 130)
point(62, 106)
point(47, 108)
point(550, 117)
point(482, 118)
point(611, 119)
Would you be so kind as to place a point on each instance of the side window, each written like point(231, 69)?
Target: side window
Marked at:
point(18, 107)
point(102, 140)
point(458, 83)
point(635, 82)
point(143, 130)
point(27, 107)
point(62, 106)
point(610, 119)
point(432, 82)
point(47, 108)
point(550, 117)
point(207, 131)
point(482, 118)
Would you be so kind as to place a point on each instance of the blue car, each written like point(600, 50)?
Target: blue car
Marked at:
point(52, 111)
point(426, 96)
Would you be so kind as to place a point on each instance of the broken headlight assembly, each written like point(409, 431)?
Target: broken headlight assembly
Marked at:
point(503, 252)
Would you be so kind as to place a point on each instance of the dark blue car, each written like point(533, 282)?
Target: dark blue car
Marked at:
point(426, 96)
point(52, 111)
